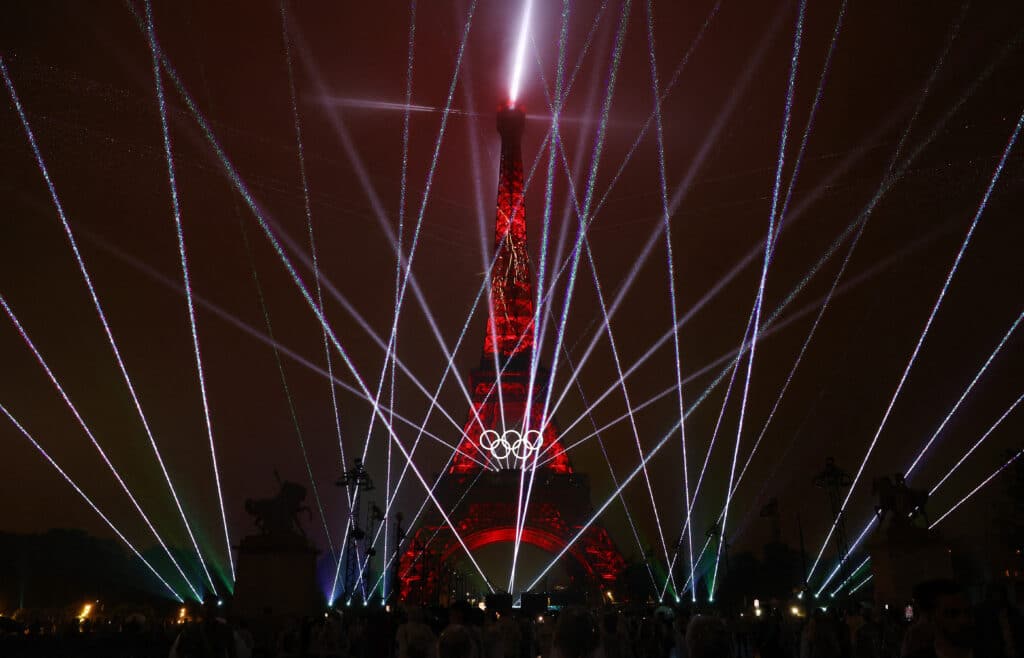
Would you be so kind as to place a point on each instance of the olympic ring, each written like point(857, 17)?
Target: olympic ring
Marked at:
point(521, 447)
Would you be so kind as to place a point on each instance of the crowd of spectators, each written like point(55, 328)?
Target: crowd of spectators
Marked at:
point(941, 623)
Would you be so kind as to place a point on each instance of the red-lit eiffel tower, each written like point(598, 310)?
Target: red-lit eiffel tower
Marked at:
point(481, 500)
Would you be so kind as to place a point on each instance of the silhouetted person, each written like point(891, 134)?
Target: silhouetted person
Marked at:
point(614, 639)
point(820, 638)
point(945, 604)
point(415, 638)
point(326, 640)
point(503, 638)
point(244, 639)
point(998, 625)
point(664, 639)
point(576, 634)
point(457, 641)
point(461, 614)
point(210, 638)
point(707, 637)
point(289, 641)
point(869, 640)
point(920, 635)
point(458, 613)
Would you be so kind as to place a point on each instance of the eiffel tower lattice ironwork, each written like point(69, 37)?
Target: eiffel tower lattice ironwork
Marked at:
point(506, 425)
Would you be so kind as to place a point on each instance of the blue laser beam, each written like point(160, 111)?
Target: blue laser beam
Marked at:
point(615, 479)
point(815, 104)
point(708, 142)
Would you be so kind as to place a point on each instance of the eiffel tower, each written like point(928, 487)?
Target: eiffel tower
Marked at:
point(506, 430)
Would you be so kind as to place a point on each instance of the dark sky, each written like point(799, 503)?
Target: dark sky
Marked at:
point(84, 76)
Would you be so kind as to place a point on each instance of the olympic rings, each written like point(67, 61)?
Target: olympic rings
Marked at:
point(520, 447)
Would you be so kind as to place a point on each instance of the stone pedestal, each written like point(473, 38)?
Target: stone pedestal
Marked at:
point(903, 556)
point(276, 576)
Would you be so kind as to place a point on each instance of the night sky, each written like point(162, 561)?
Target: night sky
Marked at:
point(84, 75)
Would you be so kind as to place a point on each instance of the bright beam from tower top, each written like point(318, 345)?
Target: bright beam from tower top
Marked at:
point(517, 67)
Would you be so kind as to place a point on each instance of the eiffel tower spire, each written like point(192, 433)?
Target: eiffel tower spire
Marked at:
point(510, 320)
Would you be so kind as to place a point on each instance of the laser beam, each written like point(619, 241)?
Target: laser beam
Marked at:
point(588, 199)
point(706, 145)
point(243, 191)
point(663, 184)
point(853, 574)
point(517, 70)
point(992, 428)
point(293, 414)
point(423, 204)
point(85, 497)
point(771, 325)
point(615, 481)
point(308, 207)
point(382, 218)
point(92, 438)
point(40, 162)
point(938, 430)
point(862, 583)
point(815, 104)
point(768, 250)
point(976, 489)
point(176, 210)
point(608, 501)
point(931, 317)
point(556, 108)
point(249, 330)
point(261, 219)
point(410, 58)
point(899, 148)
point(782, 217)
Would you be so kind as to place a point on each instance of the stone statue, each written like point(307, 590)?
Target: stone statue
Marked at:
point(279, 516)
point(897, 501)
point(276, 573)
